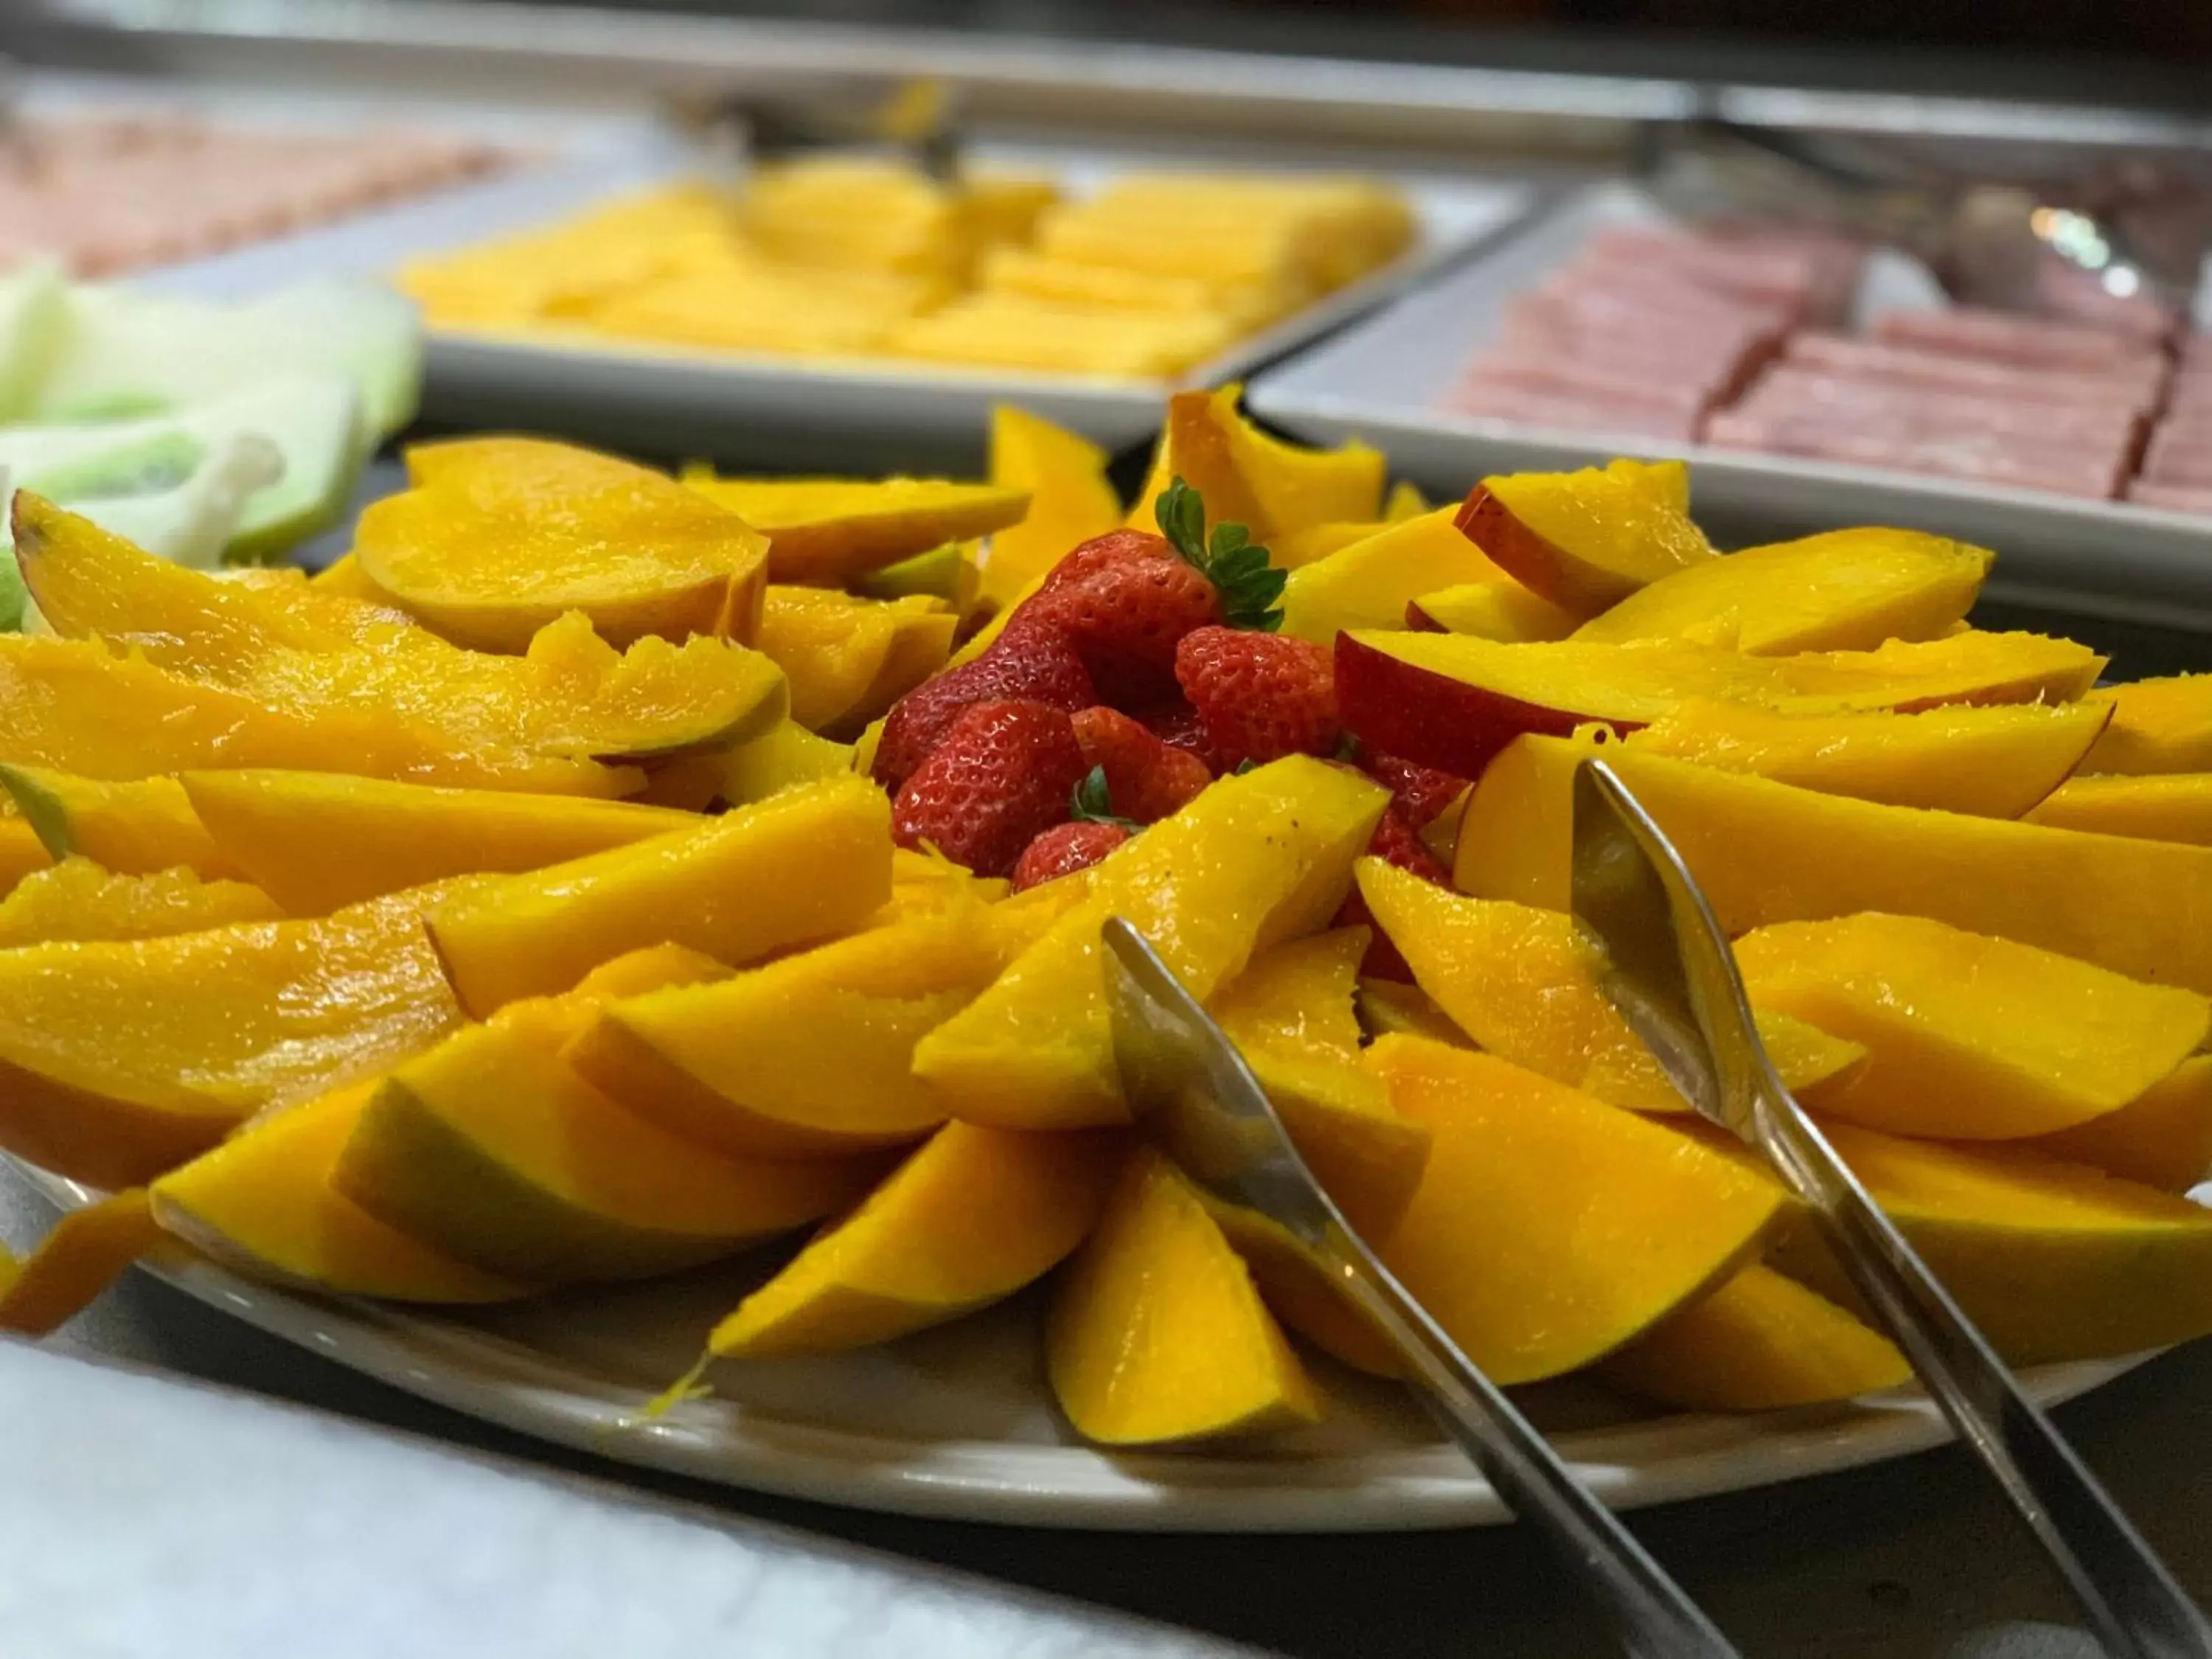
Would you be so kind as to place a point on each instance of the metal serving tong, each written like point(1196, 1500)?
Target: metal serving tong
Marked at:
point(1669, 971)
point(1193, 1095)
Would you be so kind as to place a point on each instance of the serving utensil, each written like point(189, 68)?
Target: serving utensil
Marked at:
point(1193, 1098)
point(1670, 972)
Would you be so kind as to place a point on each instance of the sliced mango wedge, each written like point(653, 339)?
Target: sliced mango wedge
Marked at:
point(2053, 1261)
point(319, 840)
point(1156, 1333)
point(1996, 761)
point(2158, 726)
point(1969, 1037)
point(1071, 499)
point(849, 659)
point(86, 1251)
point(1587, 539)
point(1497, 608)
point(2175, 807)
point(133, 828)
point(1760, 1342)
point(76, 899)
point(1252, 860)
point(825, 530)
point(2162, 1138)
point(970, 1217)
point(1766, 852)
point(786, 754)
point(1248, 477)
point(1370, 582)
point(22, 851)
point(804, 865)
point(1523, 985)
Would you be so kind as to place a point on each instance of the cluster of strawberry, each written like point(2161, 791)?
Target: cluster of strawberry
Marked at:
point(1142, 668)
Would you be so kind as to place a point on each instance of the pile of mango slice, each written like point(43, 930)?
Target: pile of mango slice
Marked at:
point(476, 919)
point(845, 256)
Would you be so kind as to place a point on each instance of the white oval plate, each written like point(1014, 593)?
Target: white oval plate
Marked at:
point(956, 1422)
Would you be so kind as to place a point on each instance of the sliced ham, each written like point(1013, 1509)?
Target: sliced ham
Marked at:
point(2134, 388)
point(2003, 337)
point(1559, 412)
point(1982, 457)
point(2174, 498)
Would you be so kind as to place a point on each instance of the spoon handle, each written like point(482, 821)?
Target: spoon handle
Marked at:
point(1653, 1617)
point(2135, 1606)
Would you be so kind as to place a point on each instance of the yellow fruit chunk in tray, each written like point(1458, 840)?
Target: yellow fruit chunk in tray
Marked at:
point(830, 530)
point(2176, 807)
point(76, 899)
point(2158, 726)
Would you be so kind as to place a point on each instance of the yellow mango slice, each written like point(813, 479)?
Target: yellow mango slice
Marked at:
point(812, 1056)
point(1523, 984)
point(133, 827)
point(500, 536)
point(1071, 499)
point(1968, 1037)
point(1498, 608)
point(22, 851)
point(493, 1150)
point(76, 707)
point(1156, 1333)
point(967, 1220)
point(1370, 583)
point(1252, 860)
point(1387, 1006)
point(1766, 852)
point(2176, 807)
point(119, 1060)
point(1994, 762)
point(1289, 1014)
point(1551, 1228)
point(2162, 1138)
point(1760, 1342)
point(76, 899)
point(263, 1202)
point(1248, 477)
point(2158, 726)
point(1849, 590)
point(847, 659)
point(826, 530)
point(2053, 1261)
point(805, 865)
point(87, 1251)
point(1317, 541)
point(316, 841)
point(784, 754)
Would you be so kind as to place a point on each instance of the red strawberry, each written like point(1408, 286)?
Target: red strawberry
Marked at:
point(1003, 774)
point(1087, 559)
point(1123, 601)
point(1395, 840)
point(1146, 777)
point(1177, 725)
point(1065, 848)
point(1029, 661)
point(1421, 792)
point(1262, 696)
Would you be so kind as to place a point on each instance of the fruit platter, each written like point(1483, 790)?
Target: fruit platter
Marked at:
point(620, 953)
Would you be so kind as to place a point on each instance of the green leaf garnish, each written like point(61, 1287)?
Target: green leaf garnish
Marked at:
point(1236, 565)
point(1093, 802)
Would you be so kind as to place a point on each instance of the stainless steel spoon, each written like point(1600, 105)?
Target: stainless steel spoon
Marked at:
point(1669, 970)
point(1195, 1098)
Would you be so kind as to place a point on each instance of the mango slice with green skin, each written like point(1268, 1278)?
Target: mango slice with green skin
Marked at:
point(1370, 583)
point(946, 571)
point(1522, 983)
point(1249, 477)
point(805, 865)
point(2053, 1261)
point(1071, 500)
point(970, 1217)
point(263, 1202)
point(2177, 807)
point(2158, 726)
point(1760, 1342)
point(22, 851)
point(784, 754)
point(1848, 590)
point(86, 1251)
point(301, 647)
point(1996, 761)
point(316, 841)
point(825, 530)
point(74, 706)
point(1969, 1037)
point(1499, 608)
point(500, 536)
point(1156, 1333)
point(1766, 852)
point(1551, 1228)
point(847, 659)
point(1255, 860)
point(76, 899)
point(1289, 1014)
point(2162, 1138)
point(120, 1060)
point(133, 827)
point(810, 1056)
